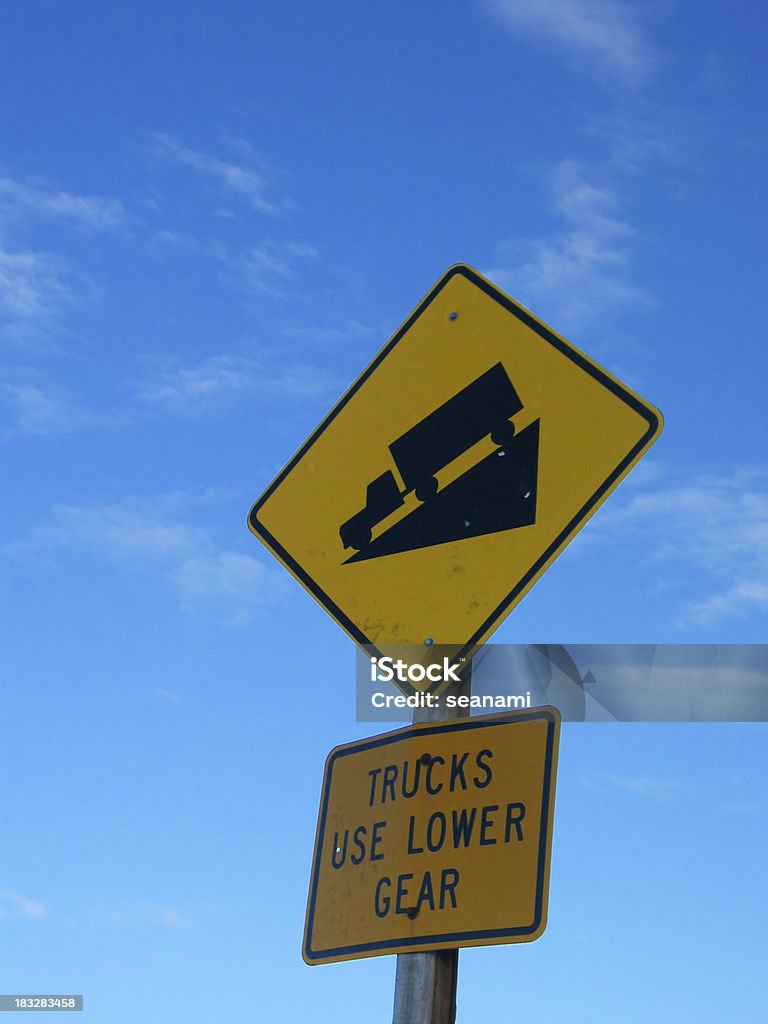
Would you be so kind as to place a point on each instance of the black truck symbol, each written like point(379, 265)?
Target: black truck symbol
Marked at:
point(486, 406)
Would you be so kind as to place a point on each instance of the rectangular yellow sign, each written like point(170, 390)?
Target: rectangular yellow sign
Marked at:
point(433, 837)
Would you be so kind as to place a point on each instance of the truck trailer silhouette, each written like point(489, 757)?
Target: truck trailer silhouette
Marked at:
point(483, 407)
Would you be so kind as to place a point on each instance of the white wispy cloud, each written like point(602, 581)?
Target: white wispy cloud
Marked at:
point(169, 917)
point(33, 405)
point(348, 331)
point(191, 389)
point(655, 135)
point(268, 268)
point(16, 904)
point(601, 32)
point(170, 696)
point(97, 212)
point(131, 531)
point(169, 240)
point(712, 524)
point(229, 585)
point(242, 179)
point(150, 535)
point(303, 381)
point(641, 785)
point(581, 273)
point(38, 286)
point(170, 385)
point(39, 408)
point(32, 284)
point(165, 915)
point(743, 598)
point(35, 289)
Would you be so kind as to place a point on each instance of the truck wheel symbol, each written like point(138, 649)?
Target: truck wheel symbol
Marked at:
point(503, 433)
point(426, 489)
point(359, 538)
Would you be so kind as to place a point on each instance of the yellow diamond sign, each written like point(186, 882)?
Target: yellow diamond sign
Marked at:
point(452, 472)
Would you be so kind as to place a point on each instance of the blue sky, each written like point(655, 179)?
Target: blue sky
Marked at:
point(211, 217)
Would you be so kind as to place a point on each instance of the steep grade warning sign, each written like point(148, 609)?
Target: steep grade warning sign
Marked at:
point(452, 472)
point(434, 836)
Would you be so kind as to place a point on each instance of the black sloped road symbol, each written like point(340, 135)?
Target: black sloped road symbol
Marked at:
point(497, 494)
